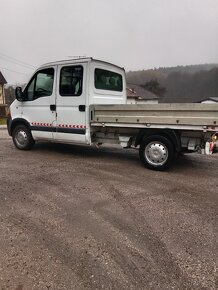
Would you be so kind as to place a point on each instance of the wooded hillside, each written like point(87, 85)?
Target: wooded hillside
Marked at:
point(182, 83)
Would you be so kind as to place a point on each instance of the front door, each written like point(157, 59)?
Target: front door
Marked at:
point(71, 104)
point(39, 107)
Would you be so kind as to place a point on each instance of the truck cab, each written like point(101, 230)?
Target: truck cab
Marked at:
point(54, 104)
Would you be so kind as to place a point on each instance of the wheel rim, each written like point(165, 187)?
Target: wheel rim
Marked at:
point(21, 138)
point(156, 153)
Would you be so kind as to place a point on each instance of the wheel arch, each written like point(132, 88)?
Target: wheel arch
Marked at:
point(172, 135)
point(18, 121)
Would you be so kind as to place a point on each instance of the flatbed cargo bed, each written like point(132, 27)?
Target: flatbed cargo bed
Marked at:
point(193, 116)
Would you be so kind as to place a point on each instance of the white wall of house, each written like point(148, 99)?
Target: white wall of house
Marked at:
point(1, 94)
point(136, 101)
point(131, 101)
point(147, 102)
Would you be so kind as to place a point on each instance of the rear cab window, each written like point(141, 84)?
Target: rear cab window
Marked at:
point(108, 80)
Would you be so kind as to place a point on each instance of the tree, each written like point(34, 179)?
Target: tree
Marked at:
point(154, 87)
point(9, 94)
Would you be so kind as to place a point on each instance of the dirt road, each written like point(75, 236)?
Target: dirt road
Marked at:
point(75, 217)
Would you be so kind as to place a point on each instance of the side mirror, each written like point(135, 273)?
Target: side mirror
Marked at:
point(19, 94)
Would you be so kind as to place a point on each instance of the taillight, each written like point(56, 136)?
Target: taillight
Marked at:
point(215, 137)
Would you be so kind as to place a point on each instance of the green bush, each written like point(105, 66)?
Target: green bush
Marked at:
point(3, 121)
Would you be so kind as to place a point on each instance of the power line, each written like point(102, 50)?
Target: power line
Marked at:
point(15, 60)
point(14, 71)
point(17, 63)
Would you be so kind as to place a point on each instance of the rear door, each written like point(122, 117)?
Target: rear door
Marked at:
point(40, 99)
point(71, 103)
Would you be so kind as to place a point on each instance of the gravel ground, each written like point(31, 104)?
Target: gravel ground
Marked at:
point(77, 217)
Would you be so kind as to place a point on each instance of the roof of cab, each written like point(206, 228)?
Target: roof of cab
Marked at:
point(80, 59)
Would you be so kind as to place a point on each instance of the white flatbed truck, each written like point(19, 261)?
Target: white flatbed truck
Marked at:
point(84, 101)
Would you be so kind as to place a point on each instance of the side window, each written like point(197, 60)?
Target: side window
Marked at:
point(71, 81)
point(108, 80)
point(41, 84)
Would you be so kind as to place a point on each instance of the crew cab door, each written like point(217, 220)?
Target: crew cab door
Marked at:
point(71, 103)
point(38, 108)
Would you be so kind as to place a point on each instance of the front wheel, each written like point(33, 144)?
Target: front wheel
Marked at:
point(22, 137)
point(156, 152)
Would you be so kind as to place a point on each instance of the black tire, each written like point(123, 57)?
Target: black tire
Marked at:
point(22, 137)
point(157, 152)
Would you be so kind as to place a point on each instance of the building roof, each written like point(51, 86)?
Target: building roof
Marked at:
point(214, 99)
point(137, 92)
point(2, 79)
point(131, 93)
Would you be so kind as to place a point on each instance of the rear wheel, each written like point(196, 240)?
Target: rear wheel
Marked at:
point(22, 137)
point(156, 152)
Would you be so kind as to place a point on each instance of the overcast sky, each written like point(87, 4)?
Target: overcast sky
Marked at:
point(135, 34)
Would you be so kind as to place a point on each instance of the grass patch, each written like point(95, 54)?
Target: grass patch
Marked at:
point(3, 121)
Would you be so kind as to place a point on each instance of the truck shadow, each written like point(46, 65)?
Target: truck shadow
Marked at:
point(88, 151)
point(110, 152)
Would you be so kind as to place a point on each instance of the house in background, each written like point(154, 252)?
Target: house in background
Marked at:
point(138, 95)
point(210, 100)
point(2, 93)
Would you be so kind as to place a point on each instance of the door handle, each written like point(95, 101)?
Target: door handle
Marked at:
point(53, 107)
point(82, 108)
